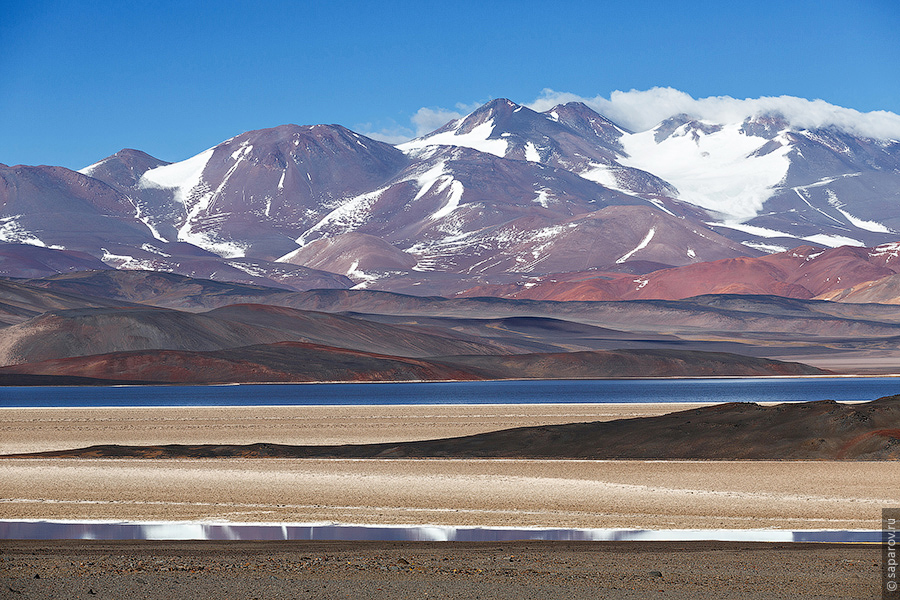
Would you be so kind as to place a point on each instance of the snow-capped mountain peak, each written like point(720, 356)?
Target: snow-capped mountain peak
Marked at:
point(505, 191)
point(478, 130)
point(571, 136)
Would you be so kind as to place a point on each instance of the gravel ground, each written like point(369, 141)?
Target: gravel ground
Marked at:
point(513, 570)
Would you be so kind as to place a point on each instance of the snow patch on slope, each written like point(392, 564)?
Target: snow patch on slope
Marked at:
point(476, 139)
point(437, 180)
point(427, 179)
point(453, 197)
point(249, 268)
point(181, 177)
point(890, 250)
point(832, 241)
point(197, 203)
point(872, 226)
point(716, 171)
point(639, 247)
point(602, 174)
point(140, 216)
point(763, 232)
point(362, 278)
point(154, 250)
point(13, 233)
point(91, 168)
point(209, 241)
point(767, 248)
point(543, 197)
point(185, 179)
point(350, 215)
point(130, 263)
point(606, 176)
point(153, 230)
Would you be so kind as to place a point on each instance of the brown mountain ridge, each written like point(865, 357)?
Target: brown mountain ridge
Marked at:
point(288, 362)
point(103, 312)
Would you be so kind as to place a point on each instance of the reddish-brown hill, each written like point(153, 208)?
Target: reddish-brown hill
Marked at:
point(881, 291)
point(804, 272)
point(280, 362)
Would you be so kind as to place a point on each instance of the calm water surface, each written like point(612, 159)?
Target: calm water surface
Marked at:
point(791, 389)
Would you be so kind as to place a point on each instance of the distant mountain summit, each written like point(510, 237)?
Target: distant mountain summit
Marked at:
point(504, 196)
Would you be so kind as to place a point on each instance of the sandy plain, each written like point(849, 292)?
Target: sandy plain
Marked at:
point(657, 495)
point(647, 494)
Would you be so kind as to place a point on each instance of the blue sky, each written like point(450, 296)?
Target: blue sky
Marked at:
point(81, 80)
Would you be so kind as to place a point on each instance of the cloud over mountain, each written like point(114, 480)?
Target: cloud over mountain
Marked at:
point(424, 121)
point(641, 110)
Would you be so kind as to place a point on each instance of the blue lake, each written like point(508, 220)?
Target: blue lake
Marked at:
point(788, 389)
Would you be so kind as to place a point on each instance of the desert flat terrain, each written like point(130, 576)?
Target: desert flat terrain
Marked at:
point(521, 493)
point(559, 493)
point(627, 494)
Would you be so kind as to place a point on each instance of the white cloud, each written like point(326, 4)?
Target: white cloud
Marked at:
point(392, 134)
point(427, 120)
point(389, 137)
point(641, 110)
point(423, 122)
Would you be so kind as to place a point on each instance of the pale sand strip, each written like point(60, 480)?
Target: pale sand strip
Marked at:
point(656, 495)
point(37, 429)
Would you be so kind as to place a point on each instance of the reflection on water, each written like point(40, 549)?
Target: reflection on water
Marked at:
point(186, 530)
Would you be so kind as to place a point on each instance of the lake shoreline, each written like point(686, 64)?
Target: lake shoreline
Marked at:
point(115, 384)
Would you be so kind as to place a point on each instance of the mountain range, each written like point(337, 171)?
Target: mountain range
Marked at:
point(507, 243)
point(497, 202)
